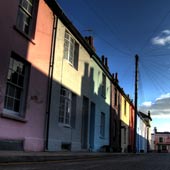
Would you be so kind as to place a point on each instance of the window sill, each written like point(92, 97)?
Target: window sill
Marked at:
point(13, 117)
point(102, 137)
point(24, 35)
point(64, 125)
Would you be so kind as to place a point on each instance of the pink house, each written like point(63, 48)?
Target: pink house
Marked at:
point(26, 33)
point(161, 141)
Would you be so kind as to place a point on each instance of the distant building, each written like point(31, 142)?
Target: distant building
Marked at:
point(161, 141)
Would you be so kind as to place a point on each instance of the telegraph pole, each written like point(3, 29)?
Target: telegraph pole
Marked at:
point(136, 100)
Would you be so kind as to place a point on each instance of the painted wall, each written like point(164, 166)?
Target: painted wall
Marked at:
point(102, 105)
point(115, 120)
point(124, 117)
point(78, 82)
point(84, 82)
point(131, 128)
point(141, 138)
point(37, 52)
point(166, 142)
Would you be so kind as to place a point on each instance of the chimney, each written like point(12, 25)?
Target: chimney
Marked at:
point(116, 78)
point(103, 59)
point(89, 40)
point(155, 130)
point(113, 76)
point(106, 63)
point(149, 114)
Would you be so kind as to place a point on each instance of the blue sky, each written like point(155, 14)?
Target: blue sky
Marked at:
point(123, 28)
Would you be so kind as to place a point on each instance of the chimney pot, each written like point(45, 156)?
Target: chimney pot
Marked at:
point(103, 59)
point(106, 62)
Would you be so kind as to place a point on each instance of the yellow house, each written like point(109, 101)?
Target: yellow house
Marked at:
point(124, 118)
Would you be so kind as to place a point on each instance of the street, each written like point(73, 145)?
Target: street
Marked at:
point(123, 162)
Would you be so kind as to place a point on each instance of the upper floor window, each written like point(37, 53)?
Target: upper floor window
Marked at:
point(71, 50)
point(103, 85)
point(125, 107)
point(160, 139)
point(16, 87)
point(25, 15)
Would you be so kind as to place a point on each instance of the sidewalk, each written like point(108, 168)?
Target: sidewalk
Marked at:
point(15, 156)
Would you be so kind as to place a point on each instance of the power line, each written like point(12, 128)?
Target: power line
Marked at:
point(100, 17)
point(155, 30)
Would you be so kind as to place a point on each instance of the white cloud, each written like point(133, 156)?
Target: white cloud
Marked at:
point(159, 108)
point(163, 39)
point(147, 104)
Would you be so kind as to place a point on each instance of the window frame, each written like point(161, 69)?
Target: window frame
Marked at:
point(23, 90)
point(65, 103)
point(71, 49)
point(161, 139)
point(21, 18)
point(125, 107)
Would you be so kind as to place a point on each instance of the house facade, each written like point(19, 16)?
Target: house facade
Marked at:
point(161, 141)
point(115, 123)
point(80, 91)
point(25, 55)
point(124, 117)
point(143, 132)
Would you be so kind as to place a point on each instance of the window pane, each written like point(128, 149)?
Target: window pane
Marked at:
point(16, 105)
point(9, 103)
point(11, 90)
point(18, 93)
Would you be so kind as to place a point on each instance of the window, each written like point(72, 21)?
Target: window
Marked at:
point(24, 17)
point(125, 107)
point(160, 139)
point(16, 88)
point(115, 97)
point(103, 85)
point(65, 106)
point(71, 50)
point(102, 125)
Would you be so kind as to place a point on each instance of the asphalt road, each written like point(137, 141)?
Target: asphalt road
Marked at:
point(133, 162)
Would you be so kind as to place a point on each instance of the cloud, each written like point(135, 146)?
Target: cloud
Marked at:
point(163, 39)
point(160, 108)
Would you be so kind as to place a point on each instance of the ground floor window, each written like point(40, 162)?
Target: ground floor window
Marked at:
point(16, 86)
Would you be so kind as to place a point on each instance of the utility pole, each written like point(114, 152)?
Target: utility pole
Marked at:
point(136, 100)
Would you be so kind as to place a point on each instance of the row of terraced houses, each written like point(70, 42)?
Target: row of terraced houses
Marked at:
point(55, 92)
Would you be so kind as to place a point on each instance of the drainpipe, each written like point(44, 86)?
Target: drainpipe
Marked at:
point(50, 81)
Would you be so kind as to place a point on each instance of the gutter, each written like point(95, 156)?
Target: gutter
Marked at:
point(50, 81)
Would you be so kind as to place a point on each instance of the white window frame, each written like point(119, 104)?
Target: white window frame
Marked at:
point(25, 15)
point(102, 125)
point(16, 92)
point(69, 48)
point(65, 107)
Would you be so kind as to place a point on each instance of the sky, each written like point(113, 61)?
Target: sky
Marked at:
point(123, 28)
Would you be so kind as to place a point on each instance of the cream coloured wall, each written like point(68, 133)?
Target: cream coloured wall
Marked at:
point(64, 73)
